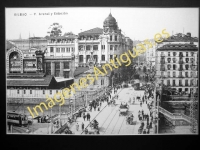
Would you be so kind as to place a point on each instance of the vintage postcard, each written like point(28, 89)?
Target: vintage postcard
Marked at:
point(102, 70)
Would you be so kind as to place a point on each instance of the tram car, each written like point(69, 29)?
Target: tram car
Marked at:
point(17, 119)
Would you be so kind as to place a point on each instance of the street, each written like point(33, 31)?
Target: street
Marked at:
point(110, 122)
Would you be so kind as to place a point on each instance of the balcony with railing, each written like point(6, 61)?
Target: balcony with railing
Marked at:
point(162, 62)
point(180, 55)
point(162, 69)
point(181, 62)
point(181, 76)
point(180, 69)
point(162, 55)
point(162, 76)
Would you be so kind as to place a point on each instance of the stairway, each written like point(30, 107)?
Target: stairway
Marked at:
point(175, 116)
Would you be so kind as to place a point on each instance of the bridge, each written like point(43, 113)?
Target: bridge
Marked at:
point(176, 116)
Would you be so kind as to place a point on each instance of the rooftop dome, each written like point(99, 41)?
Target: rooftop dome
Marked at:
point(110, 20)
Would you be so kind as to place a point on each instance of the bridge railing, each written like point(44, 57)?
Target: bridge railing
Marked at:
point(176, 115)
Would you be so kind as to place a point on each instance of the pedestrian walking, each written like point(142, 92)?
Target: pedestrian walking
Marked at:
point(89, 117)
point(84, 116)
point(77, 126)
point(147, 123)
point(150, 125)
point(140, 104)
point(144, 132)
point(82, 126)
point(144, 116)
point(94, 108)
point(148, 131)
point(98, 108)
point(100, 104)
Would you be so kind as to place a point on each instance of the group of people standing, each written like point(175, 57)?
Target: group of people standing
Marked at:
point(145, 117)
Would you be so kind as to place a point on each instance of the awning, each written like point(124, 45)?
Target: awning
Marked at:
point(58, 79)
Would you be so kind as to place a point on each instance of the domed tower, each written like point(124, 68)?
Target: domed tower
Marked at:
point(110, 24)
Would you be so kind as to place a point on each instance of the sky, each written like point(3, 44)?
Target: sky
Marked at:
point(136, 23)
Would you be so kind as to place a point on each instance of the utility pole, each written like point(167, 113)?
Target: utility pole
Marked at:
point(51, 122)
point(86, 98)
point(74, 103)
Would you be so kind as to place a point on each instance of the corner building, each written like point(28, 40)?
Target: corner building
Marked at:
point(105, 44)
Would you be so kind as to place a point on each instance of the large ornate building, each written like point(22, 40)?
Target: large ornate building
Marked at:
point(104, 44)
point(174, 64)
point(63, 56)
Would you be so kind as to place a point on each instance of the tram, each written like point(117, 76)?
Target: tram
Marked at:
point(17, 119)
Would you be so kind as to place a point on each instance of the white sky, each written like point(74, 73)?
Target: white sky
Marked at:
point(137, 23)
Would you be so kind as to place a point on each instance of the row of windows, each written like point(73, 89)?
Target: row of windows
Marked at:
point(111, 38)
point(180, 54)
point(175, 60)
point(62, 50)
point(175, 67)
point(180, 74)
point(31, 91)
point(113, 47)
point(89, 38)
point(57, 65)
point(95, 57)
point(62, 41)
point(95, 47)
point(181, 83)
point(186, 90)
point(88, 47)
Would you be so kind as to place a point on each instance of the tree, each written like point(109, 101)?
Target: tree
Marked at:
point(55, 29)
point(68, 33)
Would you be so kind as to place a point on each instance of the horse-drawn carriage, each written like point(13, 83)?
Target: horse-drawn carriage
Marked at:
point(94, 124)
point(123, 108)
point(129, 119)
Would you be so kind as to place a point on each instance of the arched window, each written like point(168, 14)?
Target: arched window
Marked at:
point(88, 47)
point(168, 67)
point(174, 67)
point(174, 60)
point(169, 59)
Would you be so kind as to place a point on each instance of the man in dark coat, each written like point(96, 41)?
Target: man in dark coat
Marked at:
point(82, 126)
point(148, 131)
point(88, 116)
point(84, 116)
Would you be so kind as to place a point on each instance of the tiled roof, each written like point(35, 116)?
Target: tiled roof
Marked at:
point(92, 31)
point(10, 44)
point(64, 37)
point(179, 47)
point(27, 81)
point(181, 38)
point(80, 70)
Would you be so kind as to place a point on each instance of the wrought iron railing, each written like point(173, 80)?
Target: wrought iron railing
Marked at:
point(176, 116)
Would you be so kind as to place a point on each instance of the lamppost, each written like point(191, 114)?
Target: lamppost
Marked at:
point(71, 104)
point(51, 122)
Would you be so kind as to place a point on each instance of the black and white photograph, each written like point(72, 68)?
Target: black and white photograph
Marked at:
point(102, 70)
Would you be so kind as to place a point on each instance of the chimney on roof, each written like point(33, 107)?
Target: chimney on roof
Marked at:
point(189, 34)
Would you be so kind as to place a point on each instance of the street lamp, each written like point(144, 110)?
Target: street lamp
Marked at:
point(71, 103)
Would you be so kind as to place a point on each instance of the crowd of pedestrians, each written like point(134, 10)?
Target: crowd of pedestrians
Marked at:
point(146, 118)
